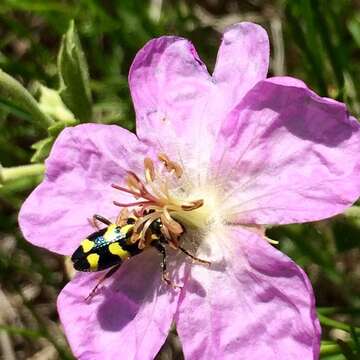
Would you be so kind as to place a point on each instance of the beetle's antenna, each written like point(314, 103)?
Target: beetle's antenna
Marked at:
point(102, 219)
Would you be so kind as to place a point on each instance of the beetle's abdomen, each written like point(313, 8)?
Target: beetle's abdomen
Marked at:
point(104, 249)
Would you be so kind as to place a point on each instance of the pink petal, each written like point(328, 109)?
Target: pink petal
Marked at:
point(128, 318)
point(242, 61)
point(288, 155)
point(254, 303)
point(84, 162)
point(170, 87)
point(179, 106)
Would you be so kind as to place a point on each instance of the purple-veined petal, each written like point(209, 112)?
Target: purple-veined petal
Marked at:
point(287, 155)
point(252, 303)
point(128, 318)
point(243, 60)
point(84, 162)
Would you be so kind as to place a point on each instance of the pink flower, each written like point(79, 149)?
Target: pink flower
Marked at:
point(256, 151)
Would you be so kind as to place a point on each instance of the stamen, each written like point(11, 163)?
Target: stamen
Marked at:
point(153, 216)
point(171, 165)
point(144, 194)
point(160, 197)
point(145, 229)
point(122, 217)
point(164, 158)
point(165, 232)
point(118, 187)
point(134, 182)
point(172, 225)
point(271, 241)
point(193, 205)
point(149, 170)
point(155, 201)
point(137, 203)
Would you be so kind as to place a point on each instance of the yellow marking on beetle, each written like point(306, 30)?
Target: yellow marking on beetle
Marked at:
point(109, 234)
point(126, 228)
point(116, 249)
point(87, 245)
point(154, 237)
point(93, 260)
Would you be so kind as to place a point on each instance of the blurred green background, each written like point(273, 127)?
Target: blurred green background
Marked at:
point(315, 40)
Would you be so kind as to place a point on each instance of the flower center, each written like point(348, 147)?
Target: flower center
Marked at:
point(162, 196)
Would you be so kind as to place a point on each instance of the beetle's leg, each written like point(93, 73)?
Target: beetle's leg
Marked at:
point(193, 257)
point(158, 245)
point(101, 280)
point(161, 248)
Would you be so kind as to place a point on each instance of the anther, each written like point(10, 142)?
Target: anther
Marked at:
point(170, 165)
point(164, 158)
point(193, 205)
point(134, 182)
point(171, 224)
point(149, 170)
point(178, 169)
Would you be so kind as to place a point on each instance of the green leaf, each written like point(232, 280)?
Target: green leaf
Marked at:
point(356, 339)
point(354, 28)
point(14, 95)
point(346, 350)
point(29, 333)
point(346, 228)
point(74, 76)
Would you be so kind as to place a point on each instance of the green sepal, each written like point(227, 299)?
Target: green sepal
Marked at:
point(55, 129)
point(42, 148)
point(52, 105)
point(74, 76)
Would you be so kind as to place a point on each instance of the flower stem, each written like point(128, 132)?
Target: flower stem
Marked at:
point(18, 172)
